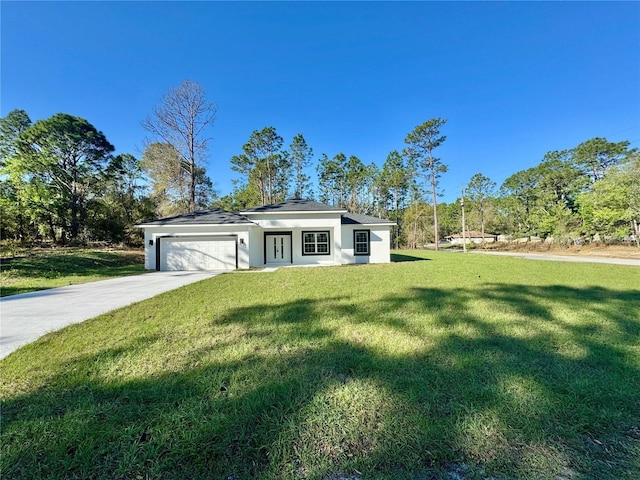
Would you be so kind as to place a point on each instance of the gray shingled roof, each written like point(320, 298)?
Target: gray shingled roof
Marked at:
point(359, 219)
point(296, 205)
point(215, 216)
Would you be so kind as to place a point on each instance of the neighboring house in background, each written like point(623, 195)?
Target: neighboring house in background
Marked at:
point(472, 237)
point(294, 232)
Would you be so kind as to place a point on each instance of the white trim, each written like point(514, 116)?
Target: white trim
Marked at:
point(367, 224)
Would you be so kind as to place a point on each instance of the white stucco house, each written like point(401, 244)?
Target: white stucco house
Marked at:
point(294, 232)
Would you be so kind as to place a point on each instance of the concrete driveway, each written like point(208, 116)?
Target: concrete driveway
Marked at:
point(26, 317)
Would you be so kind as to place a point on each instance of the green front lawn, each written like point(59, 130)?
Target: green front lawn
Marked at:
point(451, 364)
point(67, 267)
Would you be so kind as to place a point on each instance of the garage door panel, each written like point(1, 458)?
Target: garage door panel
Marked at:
point(198, 254)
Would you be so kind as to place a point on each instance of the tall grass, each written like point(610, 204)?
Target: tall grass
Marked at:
point(474, 366)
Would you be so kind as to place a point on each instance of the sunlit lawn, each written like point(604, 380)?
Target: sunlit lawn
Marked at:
point(67, 267)
point(452, 364)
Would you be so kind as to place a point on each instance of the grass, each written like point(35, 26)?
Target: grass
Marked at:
point(67, 267)
point(447, 366)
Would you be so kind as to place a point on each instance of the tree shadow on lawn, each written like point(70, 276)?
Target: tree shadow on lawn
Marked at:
point(402, 257)
point(31, 274)
point(75, 263)
point(405, 386)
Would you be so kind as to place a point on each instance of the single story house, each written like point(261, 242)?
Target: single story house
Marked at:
point(472, 236)
point(294, 232)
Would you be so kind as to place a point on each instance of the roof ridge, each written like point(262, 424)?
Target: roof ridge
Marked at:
point(294, 205)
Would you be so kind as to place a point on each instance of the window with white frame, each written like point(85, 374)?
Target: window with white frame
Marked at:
point(315, 243)
point(361, 242)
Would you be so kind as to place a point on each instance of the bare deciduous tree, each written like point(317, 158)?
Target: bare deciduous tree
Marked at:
point(181, 121)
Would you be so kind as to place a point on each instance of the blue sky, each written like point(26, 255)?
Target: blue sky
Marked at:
point(514, 79)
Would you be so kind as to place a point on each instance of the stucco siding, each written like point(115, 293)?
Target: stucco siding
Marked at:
point(282, 233)
point(297, 220)
point(296, 224)
point(380, 247)
point(333, 258)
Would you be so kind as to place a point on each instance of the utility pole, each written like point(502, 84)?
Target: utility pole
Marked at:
point(464, 240)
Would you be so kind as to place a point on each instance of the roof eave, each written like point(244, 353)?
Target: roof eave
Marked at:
point(377, 224)
point(144, 225)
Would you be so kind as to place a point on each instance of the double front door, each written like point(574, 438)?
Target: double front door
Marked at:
point(278, 248)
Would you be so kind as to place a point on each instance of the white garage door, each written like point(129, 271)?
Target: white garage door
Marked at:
point(198, 253)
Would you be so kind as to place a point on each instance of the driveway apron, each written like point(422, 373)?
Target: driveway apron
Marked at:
point(26, 317)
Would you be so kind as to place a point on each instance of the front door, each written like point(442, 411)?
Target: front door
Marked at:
point(278, 248)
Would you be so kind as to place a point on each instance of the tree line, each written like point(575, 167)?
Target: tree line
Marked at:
point(61, 182)
point(591, 190)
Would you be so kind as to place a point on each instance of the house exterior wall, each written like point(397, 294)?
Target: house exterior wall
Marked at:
point(380, 244)
point(256, 247)
point(296, 224)
point(251, 238)
point(308, 220)
point(157, 232)
point(381, 251)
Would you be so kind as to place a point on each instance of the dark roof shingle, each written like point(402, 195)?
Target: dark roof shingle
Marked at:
point(359, 219)
point(295, 205)
point(215, 216)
